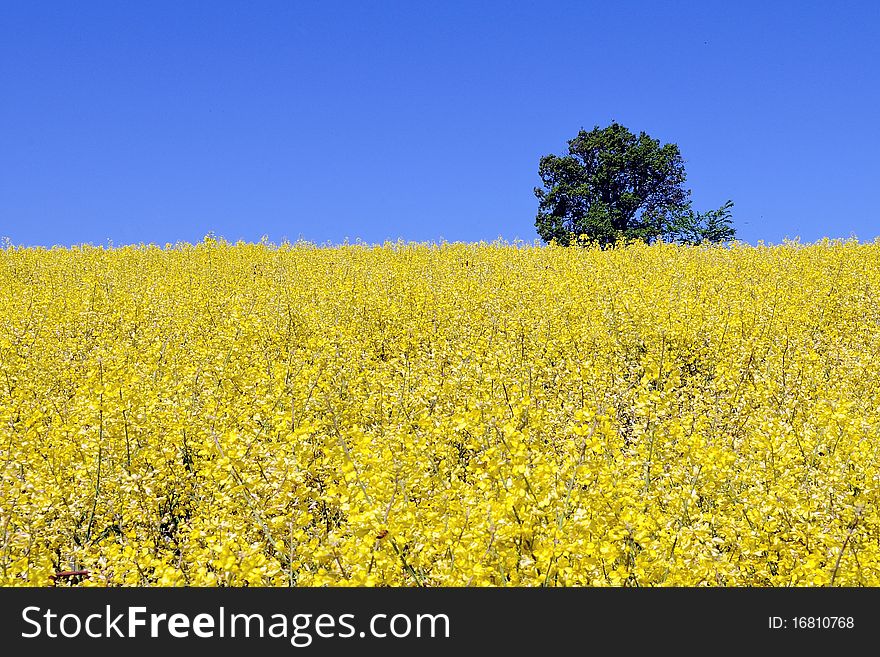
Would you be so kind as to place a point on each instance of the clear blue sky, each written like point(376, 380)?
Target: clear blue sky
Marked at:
point(322, 120)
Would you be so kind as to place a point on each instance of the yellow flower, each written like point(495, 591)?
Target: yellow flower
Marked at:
point(249, 414)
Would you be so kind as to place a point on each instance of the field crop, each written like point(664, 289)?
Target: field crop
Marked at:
point(441, 414)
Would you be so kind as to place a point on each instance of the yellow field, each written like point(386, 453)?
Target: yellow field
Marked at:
point(447, 414)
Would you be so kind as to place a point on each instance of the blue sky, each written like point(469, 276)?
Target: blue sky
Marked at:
point(162, 121)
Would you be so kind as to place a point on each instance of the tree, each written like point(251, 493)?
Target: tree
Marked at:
point(695, 227)
point(615, 185)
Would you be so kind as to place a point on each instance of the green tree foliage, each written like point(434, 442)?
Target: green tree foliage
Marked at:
point(615, 185)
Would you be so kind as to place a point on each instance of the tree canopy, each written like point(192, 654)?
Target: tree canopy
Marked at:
point(616, 185)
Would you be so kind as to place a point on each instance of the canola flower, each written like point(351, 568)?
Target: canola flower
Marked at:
point(441, 414)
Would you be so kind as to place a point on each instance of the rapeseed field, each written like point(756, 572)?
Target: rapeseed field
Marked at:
point(445, 414)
